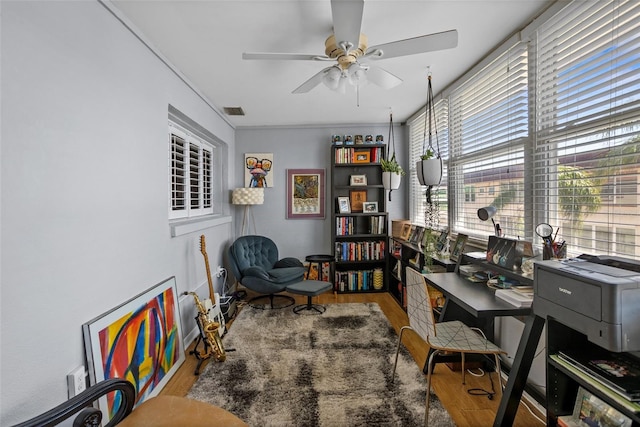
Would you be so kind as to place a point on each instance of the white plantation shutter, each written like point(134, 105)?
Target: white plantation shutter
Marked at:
point(190, 174)
point(489, 125)
point(587, 148)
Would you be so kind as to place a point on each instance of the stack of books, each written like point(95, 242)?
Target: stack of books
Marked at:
point(520, 296)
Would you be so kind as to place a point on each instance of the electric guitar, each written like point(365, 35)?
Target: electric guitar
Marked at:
point(214, 314)
point(496, 256)
point(505, 257)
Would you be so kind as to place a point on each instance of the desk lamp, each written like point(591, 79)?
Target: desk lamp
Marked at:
point(488, 212)
point(247, 197)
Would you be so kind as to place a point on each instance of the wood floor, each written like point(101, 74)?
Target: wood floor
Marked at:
point(465, 409)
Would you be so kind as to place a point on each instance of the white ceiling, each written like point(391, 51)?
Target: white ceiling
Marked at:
point(205, 40)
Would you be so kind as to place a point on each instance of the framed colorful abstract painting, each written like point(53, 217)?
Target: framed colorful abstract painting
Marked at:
point(140, 341)
point(305, 193)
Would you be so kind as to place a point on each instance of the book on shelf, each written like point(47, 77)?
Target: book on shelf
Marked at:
point(618, 371)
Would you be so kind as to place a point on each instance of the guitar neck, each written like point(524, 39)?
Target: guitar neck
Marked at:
point(212, 295)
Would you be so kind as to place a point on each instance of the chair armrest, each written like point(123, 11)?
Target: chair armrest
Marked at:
point(256, 272)
point(86, 415)
point(288, 262)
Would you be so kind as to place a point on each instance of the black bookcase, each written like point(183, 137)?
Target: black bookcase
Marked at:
point(359, 237)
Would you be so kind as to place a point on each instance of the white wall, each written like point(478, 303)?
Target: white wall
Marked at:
point(305, 148)
point(84, 188)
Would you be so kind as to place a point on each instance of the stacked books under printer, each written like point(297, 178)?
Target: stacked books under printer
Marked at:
point(619, 372)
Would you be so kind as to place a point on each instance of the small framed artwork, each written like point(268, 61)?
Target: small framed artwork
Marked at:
point(369, 207)
point(406, 232)
point(361, 156)
point(344, 205)
point(441, 243)
point(305, 193)
point(358, 197)
point(458, 247)
point(139, 340)
point(358, 180)
point(591, 411)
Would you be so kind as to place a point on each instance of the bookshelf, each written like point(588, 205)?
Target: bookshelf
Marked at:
point(359, 218)
point(406, 253)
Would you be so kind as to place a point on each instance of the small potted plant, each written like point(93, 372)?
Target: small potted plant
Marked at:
point(392, 173)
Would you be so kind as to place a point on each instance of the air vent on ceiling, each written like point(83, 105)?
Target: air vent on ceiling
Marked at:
point(234, 111)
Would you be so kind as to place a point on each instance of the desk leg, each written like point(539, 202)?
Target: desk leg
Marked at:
point(519, 371)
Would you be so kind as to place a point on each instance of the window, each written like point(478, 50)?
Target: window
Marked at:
point(194, 173)
point(587, 157)
point(547, 129)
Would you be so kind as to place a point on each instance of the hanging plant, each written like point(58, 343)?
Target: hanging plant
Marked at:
point(429, 167)
point(392, 172)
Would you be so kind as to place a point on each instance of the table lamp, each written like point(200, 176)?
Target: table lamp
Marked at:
point(488, 212)
point(247, 197)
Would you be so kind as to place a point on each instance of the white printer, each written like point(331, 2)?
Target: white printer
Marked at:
point(596, 295)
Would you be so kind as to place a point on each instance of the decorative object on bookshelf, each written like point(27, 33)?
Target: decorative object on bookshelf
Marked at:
point(443, 239)
point(361, 156)
point(370, 207)
point(357, 197)
point(458, 247)
point(305, 193)
point(344, 205)
point(378, 278)
point(358, 180)
point(391, 170)
point(406, 231)
point(429, 167)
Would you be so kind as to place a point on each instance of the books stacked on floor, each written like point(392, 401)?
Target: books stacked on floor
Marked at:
point(520, 296)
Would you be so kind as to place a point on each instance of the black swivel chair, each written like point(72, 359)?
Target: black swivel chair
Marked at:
point(255, 264)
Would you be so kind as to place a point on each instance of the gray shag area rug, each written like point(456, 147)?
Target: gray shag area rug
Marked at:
point(332, 369)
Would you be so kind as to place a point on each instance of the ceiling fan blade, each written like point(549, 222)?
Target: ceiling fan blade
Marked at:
point(286, 56)
point(382, 78)
point(347, 20)
point(428, 43)
point(312, 82)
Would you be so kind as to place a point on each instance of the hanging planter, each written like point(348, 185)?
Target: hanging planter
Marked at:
point(429, 167)
point(429, 171)
point(391, 170)
point(391, 180)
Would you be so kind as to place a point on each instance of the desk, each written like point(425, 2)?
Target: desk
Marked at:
point(477, 304)
point(471, 302)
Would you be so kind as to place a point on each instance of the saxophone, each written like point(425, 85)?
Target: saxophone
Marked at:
point(210, 333)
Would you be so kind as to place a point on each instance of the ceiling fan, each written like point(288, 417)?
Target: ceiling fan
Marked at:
point(350, 48)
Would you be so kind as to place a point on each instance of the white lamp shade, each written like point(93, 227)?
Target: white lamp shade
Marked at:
point(486, 213)
point(247, 196)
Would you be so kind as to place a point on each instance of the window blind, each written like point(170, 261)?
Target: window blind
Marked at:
point(587, 150)
point(489, 120)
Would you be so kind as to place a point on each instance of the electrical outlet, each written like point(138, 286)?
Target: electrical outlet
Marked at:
point(76, 381)
point(219, 271)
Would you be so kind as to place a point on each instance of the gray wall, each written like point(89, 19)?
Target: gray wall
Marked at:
point(304, 148)
point(84, 189)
